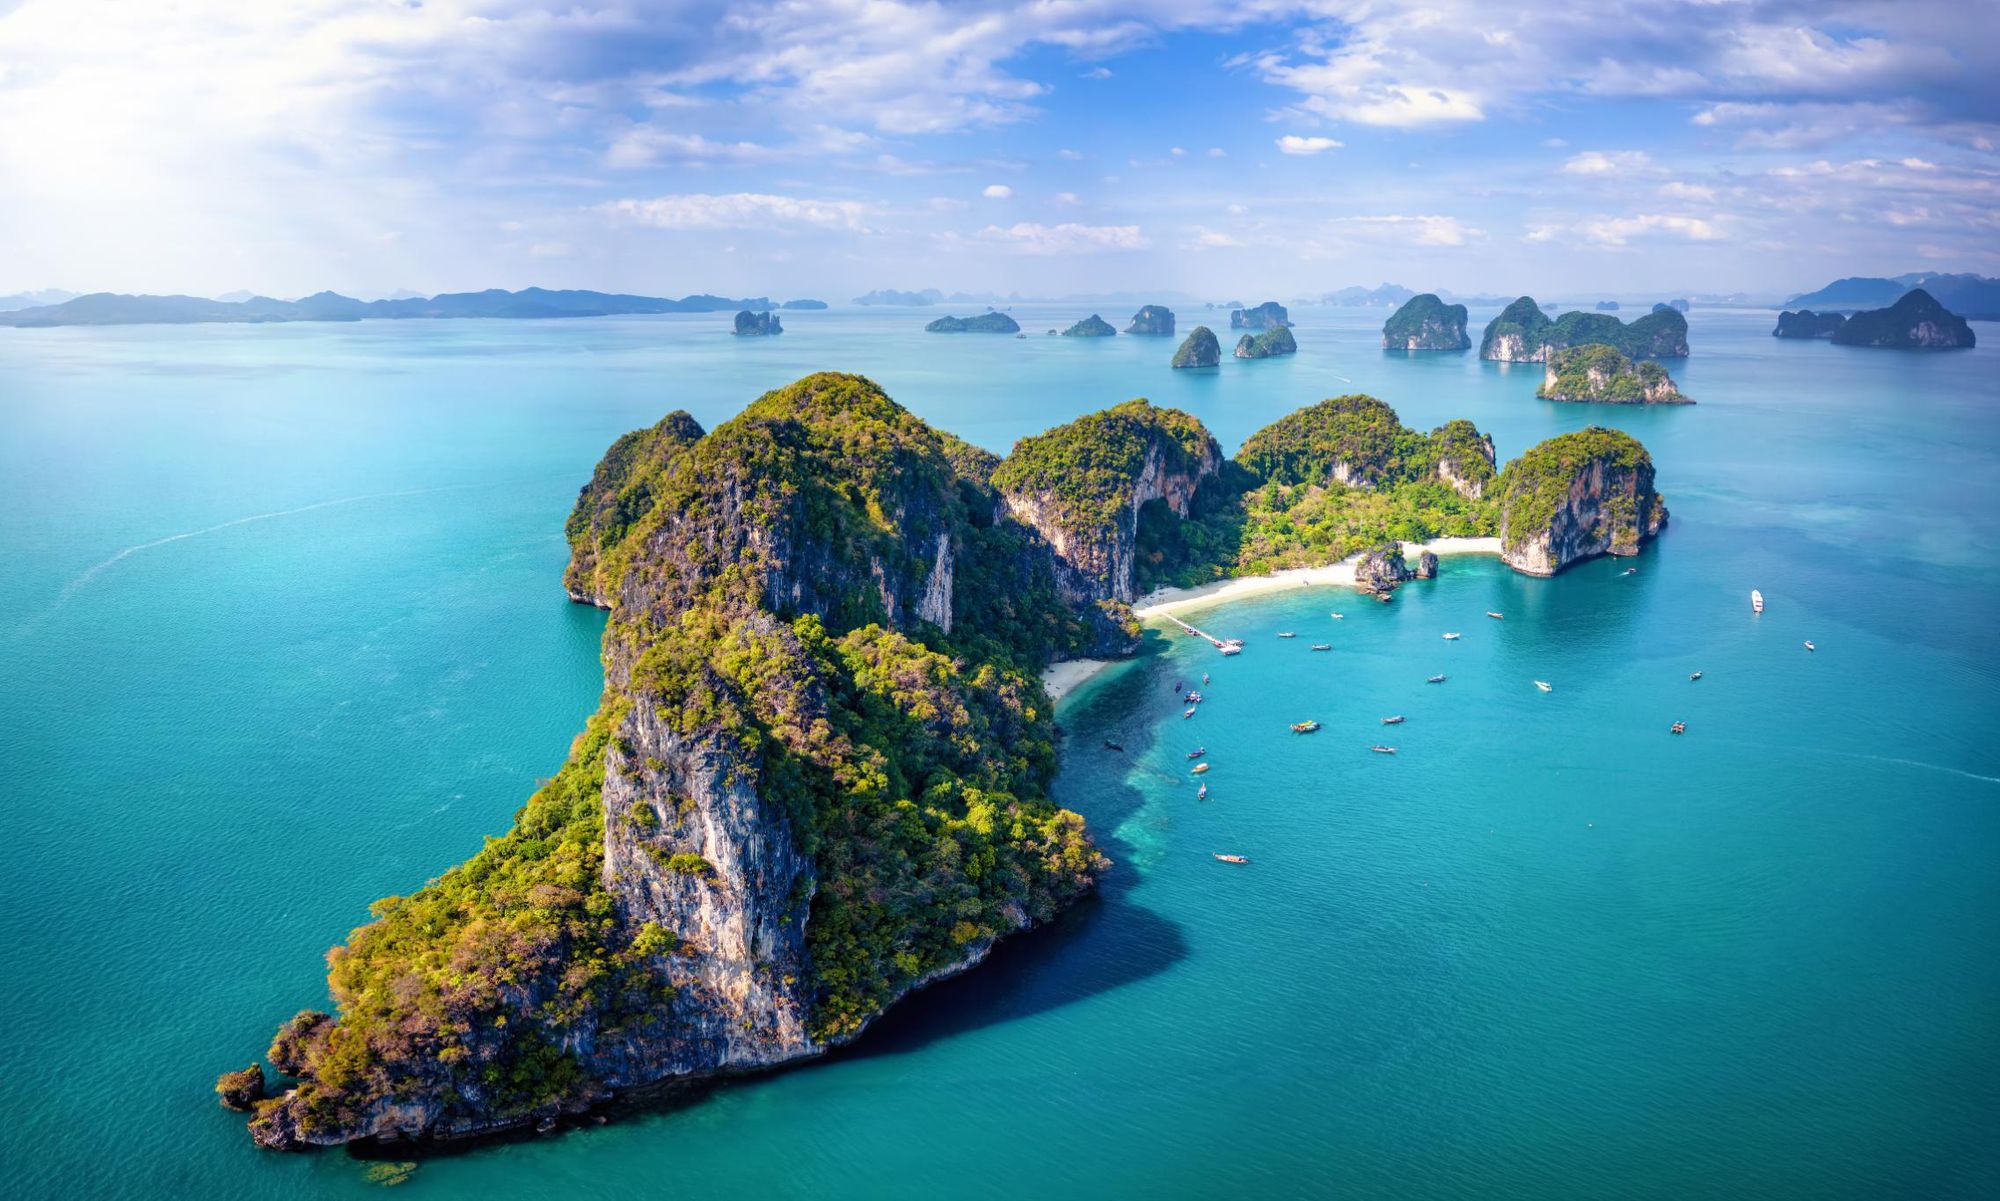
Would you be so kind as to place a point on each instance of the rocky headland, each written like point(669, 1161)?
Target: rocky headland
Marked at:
point(1198, 349)
point(1597, 374)
point(1914, 322)
point(1425, 322)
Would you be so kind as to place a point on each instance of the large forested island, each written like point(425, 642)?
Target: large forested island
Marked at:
point(818, 778)
point(1426, 323)
point(1522, 333)
point(1914, 322)
point(1596, 374)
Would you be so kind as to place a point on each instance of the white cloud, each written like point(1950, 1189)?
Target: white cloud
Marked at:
point(1217, 152)
point(1677, 190)
point(1067, 153)
point(997, 191)
point(1096, 73)
point(644, 146)
point(1620, 231)
point(737, 210)
point(1422, 229)
point(1067, 238)
point(1292, 143)
point(1601, 162)
point(1177, 152)
point(1065, 197)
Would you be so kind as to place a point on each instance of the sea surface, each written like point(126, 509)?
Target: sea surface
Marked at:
point(281, 632)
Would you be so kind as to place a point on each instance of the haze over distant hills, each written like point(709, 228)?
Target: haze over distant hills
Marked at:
point(1973, 297)
point(109, 308)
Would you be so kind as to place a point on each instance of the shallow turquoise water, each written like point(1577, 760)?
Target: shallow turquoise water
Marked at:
point(1544, 951)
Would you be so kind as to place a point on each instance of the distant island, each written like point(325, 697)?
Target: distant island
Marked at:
point(1154, 320)
point(1807, 324)
point(803, 304)
point(1268, 315)
point(1270, 343)
point(1678, 306)
point(820, 716)
point(757, 325)
point(1598, 374)
point(1198, 349)
point(923, 299)
point(1092, 326)
point(985, 323)
point(109, 308)
point(1915, 322)
point(1426, 323)
point(1607, 306)
point(1384, 294)
point(1974, 297)
point(1522, 333)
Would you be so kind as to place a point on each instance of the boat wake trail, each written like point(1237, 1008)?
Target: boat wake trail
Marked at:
point(84, 577)
point(1970, 775)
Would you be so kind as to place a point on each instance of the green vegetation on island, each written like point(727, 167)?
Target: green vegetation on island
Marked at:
point(1092, 326)
point(985, 323)
point(1600, 375)
point(1424, 322)
point(1577, 495)
point(1198, 349)
point(757, 325)
point(1522, 333)
point(1268, 344)
point(1807, 324)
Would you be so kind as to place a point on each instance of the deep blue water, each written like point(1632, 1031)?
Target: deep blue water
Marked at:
point(281, 632)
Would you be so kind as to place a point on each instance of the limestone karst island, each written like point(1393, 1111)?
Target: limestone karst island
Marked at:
point(1000, 600)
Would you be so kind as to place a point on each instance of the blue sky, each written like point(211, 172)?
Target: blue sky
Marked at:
point(1045, 146)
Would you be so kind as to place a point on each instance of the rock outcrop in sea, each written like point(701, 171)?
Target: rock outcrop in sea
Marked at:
point(1425, 322)
point(1465, 462)
point(1092, 326)
point(241, 1090)
point(1596, 374)
point(800, 799)
point(1268, 315)
point(1153, 320)
point(757, 325)
point(1198, 349)
point(985, 323)
point(1081, 486)
point(1270, 343)
point(1382, 568)
point(1577, 496)
point(1807, 324)
point(1914, 322)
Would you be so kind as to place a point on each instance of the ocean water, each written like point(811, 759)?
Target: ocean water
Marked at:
point(281, 632)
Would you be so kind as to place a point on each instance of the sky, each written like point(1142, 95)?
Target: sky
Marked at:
point(823, 148)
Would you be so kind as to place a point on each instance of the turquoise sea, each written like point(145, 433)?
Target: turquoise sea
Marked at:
point(281, 632)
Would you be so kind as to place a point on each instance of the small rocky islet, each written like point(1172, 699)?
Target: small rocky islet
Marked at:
point(1092, 326)
point(1268, 315)
point(1268, 344)
point(757, 325)
point(1598, 374)
point(819, 775)
point(985, 323)
point(1153, 320)
point(1198, 349)
point(1425, 322)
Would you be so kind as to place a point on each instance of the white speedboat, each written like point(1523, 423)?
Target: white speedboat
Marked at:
point(1756, 601)
point(1544, 686)
point(1451, 638)
point(1810, 646)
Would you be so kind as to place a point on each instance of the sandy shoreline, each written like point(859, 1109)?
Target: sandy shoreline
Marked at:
point(1065, 677)
point(1171, 600)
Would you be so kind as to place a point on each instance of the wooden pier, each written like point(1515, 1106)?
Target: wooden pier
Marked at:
point(1221, 644)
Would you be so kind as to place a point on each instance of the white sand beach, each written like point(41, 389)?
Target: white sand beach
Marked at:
point(1062, 679)
point(1171, 600)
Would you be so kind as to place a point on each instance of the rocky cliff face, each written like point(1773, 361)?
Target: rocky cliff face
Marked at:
point(757, 325)
point(1518, 335)
point(1807, 324)
point(1577, 496)
point(1154, 320)
point(1425, 322)
point(1380, 570)
point(1465, 462)
point(1269, 344)
point(1143, 455)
